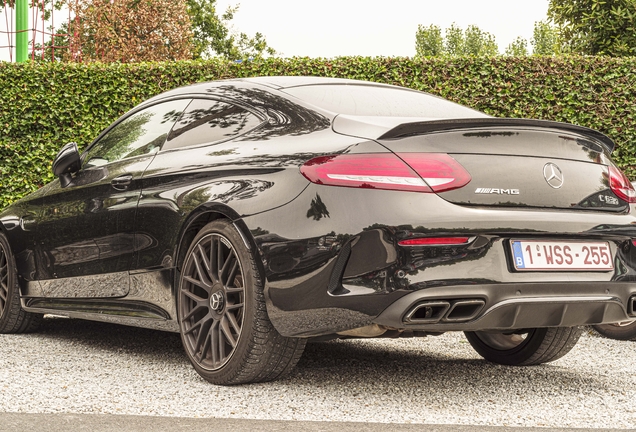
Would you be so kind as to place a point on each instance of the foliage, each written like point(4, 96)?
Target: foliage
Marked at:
point(212, 34)
point(596, 27)
point(45, 105)
point(479, 43)
point(429, 41)
point(545, 39)
point(456, 43)
point(517, 48)
point(130, 31)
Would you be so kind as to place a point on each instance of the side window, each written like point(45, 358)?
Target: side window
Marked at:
point(207, 121)
point(142, 133)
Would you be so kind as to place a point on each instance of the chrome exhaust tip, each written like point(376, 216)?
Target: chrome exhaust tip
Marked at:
point(429, 312)
point(444, 311)
point(464, 310)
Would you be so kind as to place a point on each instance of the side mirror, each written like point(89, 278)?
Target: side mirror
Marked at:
point(66, 163)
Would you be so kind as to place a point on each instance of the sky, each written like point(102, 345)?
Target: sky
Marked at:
point(332, 28)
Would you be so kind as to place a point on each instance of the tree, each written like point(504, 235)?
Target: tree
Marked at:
point(545, 39)
point(596, 27)
point(456, 42)
point(429, 41)
point(479, 43)
point(517, 48)
point(130, 30)
point(207, 34)
point(212, 35)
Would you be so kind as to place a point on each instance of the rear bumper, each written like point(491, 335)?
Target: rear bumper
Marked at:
point(512, 306)
point(333, 262)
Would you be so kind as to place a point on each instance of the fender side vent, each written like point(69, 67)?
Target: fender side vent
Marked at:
point(335, 281)
point(631, 306)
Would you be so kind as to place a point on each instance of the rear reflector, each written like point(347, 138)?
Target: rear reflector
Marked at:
point(621, 186)
point(429, 172)
point(434, 241)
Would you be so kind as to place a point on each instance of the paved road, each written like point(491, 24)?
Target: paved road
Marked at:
point(106, 423)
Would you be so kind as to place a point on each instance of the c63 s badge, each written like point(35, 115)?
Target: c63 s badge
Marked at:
point(497, 191)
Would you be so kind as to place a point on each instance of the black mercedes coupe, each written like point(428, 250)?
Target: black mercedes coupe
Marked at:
point(252, 215)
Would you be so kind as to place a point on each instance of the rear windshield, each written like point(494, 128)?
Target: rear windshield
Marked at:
point(364, 100)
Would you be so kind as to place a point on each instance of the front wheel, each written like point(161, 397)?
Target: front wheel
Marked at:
point(619, 331)
point(221, 309)
point(524, 347)
point(13, 319)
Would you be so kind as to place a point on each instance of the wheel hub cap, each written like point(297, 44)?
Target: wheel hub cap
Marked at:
point(217, 301)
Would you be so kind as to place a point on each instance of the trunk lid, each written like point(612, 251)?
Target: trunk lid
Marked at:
point(521, 165)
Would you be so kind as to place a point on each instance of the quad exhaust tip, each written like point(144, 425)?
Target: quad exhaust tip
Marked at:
point(435, 311)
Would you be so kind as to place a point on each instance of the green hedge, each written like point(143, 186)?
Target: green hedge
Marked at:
point(43, 106)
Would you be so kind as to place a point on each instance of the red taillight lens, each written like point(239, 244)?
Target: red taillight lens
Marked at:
point(440, 171)
point(621, 186)
point(434, 241)
point(387, 171)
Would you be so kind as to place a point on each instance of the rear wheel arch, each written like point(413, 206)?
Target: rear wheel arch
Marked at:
point(198, 219)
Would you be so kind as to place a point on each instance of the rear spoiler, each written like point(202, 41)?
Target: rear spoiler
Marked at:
point(424, 127)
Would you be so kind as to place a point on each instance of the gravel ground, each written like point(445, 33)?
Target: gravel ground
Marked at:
point(74, 366)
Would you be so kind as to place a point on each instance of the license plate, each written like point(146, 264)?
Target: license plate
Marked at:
point(561, 255)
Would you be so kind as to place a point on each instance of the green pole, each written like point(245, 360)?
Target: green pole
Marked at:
point(22, 28)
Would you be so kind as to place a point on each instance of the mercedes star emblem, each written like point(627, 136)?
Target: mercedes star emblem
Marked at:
point(216, 301)
point(553, 175)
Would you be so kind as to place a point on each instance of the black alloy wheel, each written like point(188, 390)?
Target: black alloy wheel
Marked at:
point(13, 319)
point(620, 331)
point(221, 308)
point(524, 347)
point(212, 301)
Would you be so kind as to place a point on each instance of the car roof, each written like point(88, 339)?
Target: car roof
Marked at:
point(275, 82)
point(297, 81)
point(272, 82)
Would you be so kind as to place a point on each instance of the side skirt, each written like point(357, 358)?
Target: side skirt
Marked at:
point(131, 313)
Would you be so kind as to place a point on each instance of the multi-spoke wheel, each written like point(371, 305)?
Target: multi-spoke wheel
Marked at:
point(224, 325)
point(524, 347)
point(12, 318)
point(621, 331)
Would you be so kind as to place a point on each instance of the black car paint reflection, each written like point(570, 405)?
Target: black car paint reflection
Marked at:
point(330, 256)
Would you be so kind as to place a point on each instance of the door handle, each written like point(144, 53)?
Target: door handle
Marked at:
point(122, 182)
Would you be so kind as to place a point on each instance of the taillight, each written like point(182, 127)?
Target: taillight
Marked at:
point(434, 241)
point(428, 172)
point(440, 171)
point(621, 186)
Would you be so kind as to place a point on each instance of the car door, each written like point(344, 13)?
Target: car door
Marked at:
point(86, 238)
point(194, 158)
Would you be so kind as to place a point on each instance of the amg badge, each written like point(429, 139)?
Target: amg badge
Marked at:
point(497, 191)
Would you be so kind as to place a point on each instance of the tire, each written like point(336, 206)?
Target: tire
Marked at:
point(225, 329)
point(530, 347)
point(13, 319)
point(619, 331)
